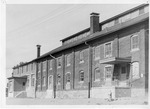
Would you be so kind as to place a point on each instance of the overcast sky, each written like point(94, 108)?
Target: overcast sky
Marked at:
point(46, 24)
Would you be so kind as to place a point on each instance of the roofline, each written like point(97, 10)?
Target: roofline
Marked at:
point(100, 34)
point(123, 13)
point(69, 37)
point(22, 64)
point(105, 21)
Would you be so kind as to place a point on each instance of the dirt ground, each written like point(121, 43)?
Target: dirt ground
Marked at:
point(91, 101)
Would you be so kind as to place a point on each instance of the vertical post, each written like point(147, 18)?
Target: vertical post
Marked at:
point(90, 69)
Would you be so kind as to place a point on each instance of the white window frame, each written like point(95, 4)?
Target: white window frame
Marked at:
point(131, 40)
point(96, 79)
point(105, 71)
point(96, 47)
point(43, 81)
point(135, 76)
point(44, 63)
point(32, 78)
point(105, 49)
point(50, 64)
point(81, 61)
point(50, 76)
point(67, 77)
point(58, 62)
point(68, 57)
point(81, 71)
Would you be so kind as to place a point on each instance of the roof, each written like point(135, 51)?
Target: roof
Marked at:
point(103, 22)
point(98, 34)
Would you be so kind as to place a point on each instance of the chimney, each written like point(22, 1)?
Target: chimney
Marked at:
point(38, 50)
point(94, 22)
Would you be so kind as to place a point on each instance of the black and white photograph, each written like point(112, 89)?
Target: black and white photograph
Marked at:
point(76, 54)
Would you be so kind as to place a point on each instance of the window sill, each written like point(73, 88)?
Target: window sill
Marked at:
point(81, 82)
point(136, 49)
point(96, 59)
point(97, 80)
point(81, 62)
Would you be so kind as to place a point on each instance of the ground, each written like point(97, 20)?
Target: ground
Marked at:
point(91, 101)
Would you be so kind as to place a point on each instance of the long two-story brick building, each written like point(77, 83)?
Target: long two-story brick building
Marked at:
point(108, 59)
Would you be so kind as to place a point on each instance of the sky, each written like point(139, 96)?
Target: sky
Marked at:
point(46, 24)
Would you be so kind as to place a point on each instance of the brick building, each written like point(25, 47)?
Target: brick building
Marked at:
point(109, 58)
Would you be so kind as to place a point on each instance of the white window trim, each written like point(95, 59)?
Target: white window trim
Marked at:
point(50, 76)
point(105, 49)
point(81, 61)
point(70, 77)
point(134, 49)
point(96, 80)
point(105, 70)
point(44, 62)
point(79, 77)
point(45, 81)
point(50, 65)
point(96, 58)
point(67, 60)
point(60, 62)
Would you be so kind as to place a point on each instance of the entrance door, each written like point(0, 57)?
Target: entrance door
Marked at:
point(50, 82)
point(123, 73)
point(108, 75)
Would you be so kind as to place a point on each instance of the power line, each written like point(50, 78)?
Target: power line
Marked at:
point(50, 18)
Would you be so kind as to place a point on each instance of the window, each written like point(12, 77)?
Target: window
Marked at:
point(141, 11)
point(134, 42)
point(97, 53)
point(59, 62)
point(135, 70)
point(108, 71)
point(81, 76)
point(134, 14)
point(44, 66)
point(68, 77)
point(27, 84)
point(39, 67)
point(44, 81)
point(10, 86)
point(68, 59)
point(50, 81)
point(108, 49)
point(81, 56)
point(146, 9)
point(32, 80)
point(39, 74)
point(58, 79)
point(50, 65)
point(97, 74)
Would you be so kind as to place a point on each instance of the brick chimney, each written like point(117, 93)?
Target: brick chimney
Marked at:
point(38, 50)
point(94, 22)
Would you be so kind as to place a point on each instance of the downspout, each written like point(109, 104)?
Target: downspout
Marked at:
point(54, 77)
point(90, 70)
